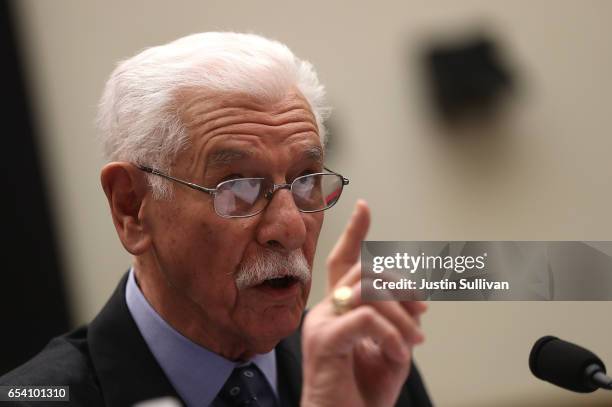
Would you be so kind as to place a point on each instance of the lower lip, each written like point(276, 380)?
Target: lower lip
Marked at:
point(279, 293)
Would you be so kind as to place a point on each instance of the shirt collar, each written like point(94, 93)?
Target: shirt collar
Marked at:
point(196, 373)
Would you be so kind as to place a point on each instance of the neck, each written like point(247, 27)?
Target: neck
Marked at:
point(186, 316)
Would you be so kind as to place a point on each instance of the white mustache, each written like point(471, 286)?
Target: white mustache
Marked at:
point(271, 264)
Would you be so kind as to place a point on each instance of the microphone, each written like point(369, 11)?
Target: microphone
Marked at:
point(568, 365)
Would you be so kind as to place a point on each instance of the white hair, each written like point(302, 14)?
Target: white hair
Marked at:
point(138, 117)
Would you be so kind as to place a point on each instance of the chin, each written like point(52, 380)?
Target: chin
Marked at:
point(274, 325)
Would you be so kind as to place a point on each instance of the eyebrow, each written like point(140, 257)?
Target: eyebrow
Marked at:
point(227, 156)
point(314, 153)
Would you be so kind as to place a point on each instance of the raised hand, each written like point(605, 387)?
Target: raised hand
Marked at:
point(361, 357)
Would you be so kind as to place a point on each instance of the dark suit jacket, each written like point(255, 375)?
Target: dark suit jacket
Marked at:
point(107, 363)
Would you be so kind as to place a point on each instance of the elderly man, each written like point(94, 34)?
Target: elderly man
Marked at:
point(216, 185)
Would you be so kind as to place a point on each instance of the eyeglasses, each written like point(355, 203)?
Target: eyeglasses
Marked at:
point(244, 197)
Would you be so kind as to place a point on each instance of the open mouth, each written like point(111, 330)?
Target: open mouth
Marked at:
point(280, 282)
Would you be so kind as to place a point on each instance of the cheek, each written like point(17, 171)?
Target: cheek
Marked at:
point(196, 248)
point(213, 249)
point(314, 222)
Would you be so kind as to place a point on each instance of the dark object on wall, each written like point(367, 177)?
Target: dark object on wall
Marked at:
point(466, 78)
point(32, 300)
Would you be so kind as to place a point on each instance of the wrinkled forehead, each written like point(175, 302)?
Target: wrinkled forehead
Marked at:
point(210, 118)
point(199, 106)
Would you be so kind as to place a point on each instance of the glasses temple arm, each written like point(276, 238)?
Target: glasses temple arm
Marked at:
point(180, 181)
point(345, 181)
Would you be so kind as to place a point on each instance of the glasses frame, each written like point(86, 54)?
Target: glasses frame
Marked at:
point(268, 195)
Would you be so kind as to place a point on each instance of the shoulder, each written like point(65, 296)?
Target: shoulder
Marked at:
point(64, 361)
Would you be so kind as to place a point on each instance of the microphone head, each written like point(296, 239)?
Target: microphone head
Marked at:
point(563, 364)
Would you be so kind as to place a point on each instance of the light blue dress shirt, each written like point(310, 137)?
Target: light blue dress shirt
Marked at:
point(196, 373)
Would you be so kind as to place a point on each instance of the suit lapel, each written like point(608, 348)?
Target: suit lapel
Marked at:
point(126, 368)
point(289, 368)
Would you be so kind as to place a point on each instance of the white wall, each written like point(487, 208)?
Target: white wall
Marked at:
point(543, 174)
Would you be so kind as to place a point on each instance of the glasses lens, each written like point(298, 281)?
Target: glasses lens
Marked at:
point(239, 197)
point(317, 191)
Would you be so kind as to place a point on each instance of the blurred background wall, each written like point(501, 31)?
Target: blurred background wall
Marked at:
point(539, 171)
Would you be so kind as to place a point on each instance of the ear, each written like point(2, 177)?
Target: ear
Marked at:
point(125, 188)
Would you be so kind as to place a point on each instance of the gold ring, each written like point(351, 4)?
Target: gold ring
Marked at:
point(342, 299)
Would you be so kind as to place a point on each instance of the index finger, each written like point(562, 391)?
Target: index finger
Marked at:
point(347, 250)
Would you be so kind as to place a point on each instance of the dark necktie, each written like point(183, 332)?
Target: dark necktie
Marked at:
point(246, 386)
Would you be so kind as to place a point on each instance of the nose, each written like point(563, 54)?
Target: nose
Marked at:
point(281, 226)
